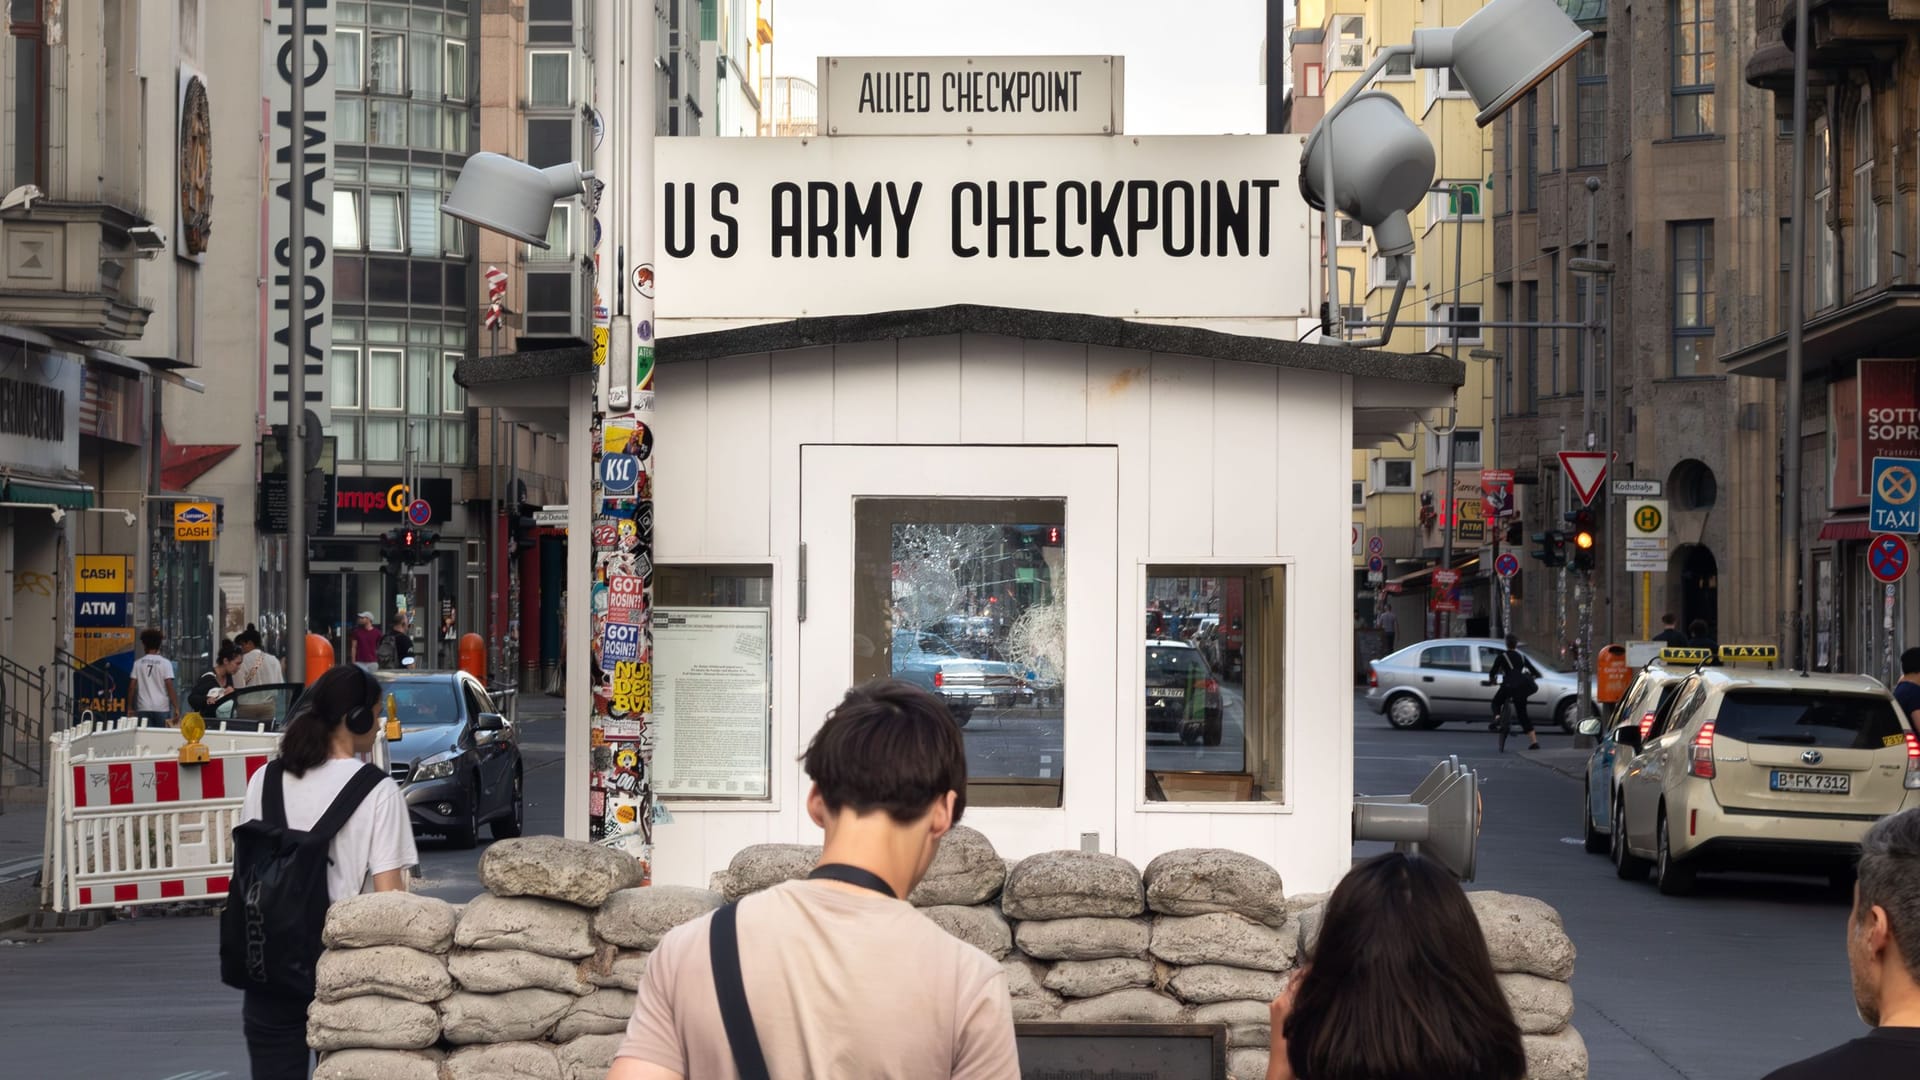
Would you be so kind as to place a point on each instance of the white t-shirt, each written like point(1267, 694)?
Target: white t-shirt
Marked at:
point(258, 668)
point(150, 675)
point(377, 838)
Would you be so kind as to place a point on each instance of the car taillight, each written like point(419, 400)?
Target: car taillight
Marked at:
point(1214, 688)
point(1373, 677)
point(939, 678)
point(1646, 725)
point(1913, 762)
point(1700, 761)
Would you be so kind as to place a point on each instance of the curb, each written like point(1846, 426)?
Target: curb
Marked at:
point(1573, 771)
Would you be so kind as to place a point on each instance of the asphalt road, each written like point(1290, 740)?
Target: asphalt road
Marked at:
point(1745, 976)
point(1026, 741)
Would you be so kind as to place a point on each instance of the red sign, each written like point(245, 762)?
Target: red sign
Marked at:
point(1887, 558)
point(626, 597)
point(1587, 469)
point(1889, 415)
point(1496, 493)
point(1445, 598)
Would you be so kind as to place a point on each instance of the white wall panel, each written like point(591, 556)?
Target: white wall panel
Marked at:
point(1245, 462)
point(680, 463)
point(1180, 458)
point(865, 393)
point(739, 447)
point(992, 389)
point(1054, 406)
point(929, 393)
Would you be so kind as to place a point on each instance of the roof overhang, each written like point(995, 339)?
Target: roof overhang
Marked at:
point(1884, 324)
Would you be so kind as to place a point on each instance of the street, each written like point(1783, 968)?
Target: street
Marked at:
point(1763, 957)
point(1026, 741)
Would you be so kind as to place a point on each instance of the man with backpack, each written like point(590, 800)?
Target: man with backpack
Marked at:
point(1517, 684)
point(837, 977)
point(396, 648)
point(317, 826)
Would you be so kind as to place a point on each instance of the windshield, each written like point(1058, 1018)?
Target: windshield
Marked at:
point(1840, 721)
point(1167, 663)
point(421, 702)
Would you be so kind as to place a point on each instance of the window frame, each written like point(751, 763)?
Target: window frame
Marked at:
point(359, 81)
point(1388, 74)
point(1590, 148)
point(1691, 95)
point(353, 197)
point(1531, 188)
point(1340, 43)
point(538, 54)
point(1314, 78)
point(1359, 494)
point(1340, 223)
point(1442, 336)
point(1825, 243)
point(333, 399)
point(1442, 205)
point(449, 387)
point(1437, 452)
point(33, 165)
point(448, 67)
point(399, 353)
point(1378, 470)
point(1866, 215)
point(1701, 250)
point(399, 37)
point(399, 196)
point(1440, 83)
point(556, 253)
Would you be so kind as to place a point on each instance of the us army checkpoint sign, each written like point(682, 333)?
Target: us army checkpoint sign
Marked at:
point(1896, 496)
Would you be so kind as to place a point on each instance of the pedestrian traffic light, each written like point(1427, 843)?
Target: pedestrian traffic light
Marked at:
point(1514, 534)
point(1585, 538)
point(1552, 548)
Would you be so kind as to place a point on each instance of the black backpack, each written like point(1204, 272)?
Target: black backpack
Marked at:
point(387, 652)
point(277, 898)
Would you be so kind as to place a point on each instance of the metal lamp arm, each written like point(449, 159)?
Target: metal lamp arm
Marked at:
point(1329, 227)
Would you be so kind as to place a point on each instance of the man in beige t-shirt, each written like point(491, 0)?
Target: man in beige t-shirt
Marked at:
point(844, 981)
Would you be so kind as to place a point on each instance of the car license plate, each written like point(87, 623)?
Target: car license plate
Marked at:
point(1812, 783)
point(1165, 692)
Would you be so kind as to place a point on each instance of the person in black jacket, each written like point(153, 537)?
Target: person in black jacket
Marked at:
point(1669, 631)
point(217, 683)
point(1516, 685)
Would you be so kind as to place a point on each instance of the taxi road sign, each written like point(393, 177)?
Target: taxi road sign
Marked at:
point(1896, 496)
point(1888, 558)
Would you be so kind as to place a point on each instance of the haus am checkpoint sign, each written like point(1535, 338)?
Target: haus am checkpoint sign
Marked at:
point(1586, 469)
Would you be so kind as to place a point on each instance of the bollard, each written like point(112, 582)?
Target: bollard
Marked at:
point(319, 656)
point(473, 656)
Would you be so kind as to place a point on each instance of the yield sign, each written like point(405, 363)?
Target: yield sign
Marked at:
point(1586, 468)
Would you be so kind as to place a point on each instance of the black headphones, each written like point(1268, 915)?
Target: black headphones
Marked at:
point(362, 718)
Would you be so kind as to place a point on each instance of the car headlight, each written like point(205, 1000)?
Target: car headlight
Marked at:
point(438, 767)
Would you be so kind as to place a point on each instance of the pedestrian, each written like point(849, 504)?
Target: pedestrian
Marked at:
point(1669, 631)
point(1517, 684)
point(1883, 951)
point(366, 642)
point(316, 782)
point(842, 979)
point(156, 700)
point(1387, 622)
point(216, 683)
point(1907, 690)
point(1698, 636)
point(396, 647)
point(258, 667)
point(1399, 983)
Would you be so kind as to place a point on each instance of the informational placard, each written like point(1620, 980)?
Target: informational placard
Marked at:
point(713, 678)
point(971, 95)
point(1162, 227)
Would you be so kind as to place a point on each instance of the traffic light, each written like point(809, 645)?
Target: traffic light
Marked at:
point(1584, 537)
point(1552, 550)
point(406, 546)
point(1514, 534)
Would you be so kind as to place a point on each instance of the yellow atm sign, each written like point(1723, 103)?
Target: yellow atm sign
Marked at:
point(102, 574)
point(193, 521)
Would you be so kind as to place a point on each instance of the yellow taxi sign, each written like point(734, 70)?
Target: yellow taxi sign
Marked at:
point(393, 721)
point(1730, 654)
point(1678, 654)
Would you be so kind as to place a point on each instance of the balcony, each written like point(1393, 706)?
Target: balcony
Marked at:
point(1842, 34)
point(71, 269)
point(1885, 323)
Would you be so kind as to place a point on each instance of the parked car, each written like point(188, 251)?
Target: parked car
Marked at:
point(263, 708)
point(1763, 770)
point(1651, 692)
point(1431, 682)
point(1183, 698)
point(965, 683)
point(457, 760)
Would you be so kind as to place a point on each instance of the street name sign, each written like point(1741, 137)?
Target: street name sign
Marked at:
point(551, 517)
point(1585, 470)
point(971, 95)
point(1640, 489)
point(1896, 496)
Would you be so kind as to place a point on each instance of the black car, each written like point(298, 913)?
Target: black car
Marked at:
point(1182, 695)
point(457, 760)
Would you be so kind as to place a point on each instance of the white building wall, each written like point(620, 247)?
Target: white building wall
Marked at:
point(1218, 462)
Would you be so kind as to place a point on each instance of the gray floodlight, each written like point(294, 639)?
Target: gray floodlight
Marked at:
point(1502, 51)
point(1440, 819)
point(1382, 167)
point(509, 196)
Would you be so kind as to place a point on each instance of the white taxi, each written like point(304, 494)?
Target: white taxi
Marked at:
point(1754, 769)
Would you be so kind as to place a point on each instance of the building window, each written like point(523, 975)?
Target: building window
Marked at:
point(384, 230)
point(1399, 66)
point(1215, 661)
point(1351, 231)
point(1553, 314)
point(559, 237)
point(1466, 328)
point(1692, 68)
point(346, 220)
point(549, 79)
point(28, 28)
point(1866, 234)
point(387, 123)
point(1392, 474)
point(1350, 45)
point(349, 60)
point(1443, 83)
point(423, 221)
point(1353, 315)
point(1590, 103)
point(425, 121)
point(1466, 448)
point(384, 380)
point(1530, 389)
point(1314, 79)
point(350, 119)
point(1503, 310)
point(1530, 194)
point(1359, 495)
point(1460, 200)
point(427, 74)
point(344, 389)
point(1785, 286)
point(453, 396)
point(456, 70)
point(1820, 160)
point(1583, 339)
point(383, 440)
point(386, 73)
point(423, 381)
point(1692, 298)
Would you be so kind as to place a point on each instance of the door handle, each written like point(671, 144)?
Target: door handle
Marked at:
point(1426, 678)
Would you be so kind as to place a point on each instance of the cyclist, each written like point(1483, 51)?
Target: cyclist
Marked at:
point(1516, 686)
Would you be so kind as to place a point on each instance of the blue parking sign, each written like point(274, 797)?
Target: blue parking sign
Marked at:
point(1896, 496)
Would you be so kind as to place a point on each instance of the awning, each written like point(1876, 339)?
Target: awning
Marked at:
point(65, 496)
point(1845, 527)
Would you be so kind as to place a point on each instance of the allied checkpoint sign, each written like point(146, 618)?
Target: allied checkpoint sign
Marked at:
point(1190, 227)
point(971, 95)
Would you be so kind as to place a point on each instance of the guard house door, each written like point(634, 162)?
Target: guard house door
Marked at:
point(987, 575)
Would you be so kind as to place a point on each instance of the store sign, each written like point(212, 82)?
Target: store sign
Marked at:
point(312, 267)
point(193, 521)
point(39, 409)
point(1160, 227)
point(383, 500)
point(1889, 413)
point(971, 95)
point(103, 633)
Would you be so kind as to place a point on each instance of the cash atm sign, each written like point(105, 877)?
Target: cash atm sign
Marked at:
point(193, 521)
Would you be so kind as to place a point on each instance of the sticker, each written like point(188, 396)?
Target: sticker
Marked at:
point(624, 730)
point(643, 280)
point(619, 473)
point(627, 597)
point(626, 759)
point(597, 737)
point(645, 449)
point(643, 370)
point(633, 687)
point(645, 523)
point(1893, 740)
point(643, 330)
point(619, 642)
point(596, 803)
point(616, 436)
point(629, 533)
point(661, 815)
point(605, 536)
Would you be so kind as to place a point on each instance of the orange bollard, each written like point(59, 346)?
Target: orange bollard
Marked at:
point(319, 656)
point(473, 655)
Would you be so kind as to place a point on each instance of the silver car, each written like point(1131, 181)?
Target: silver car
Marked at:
point(1646, 698)
point(1445, 679)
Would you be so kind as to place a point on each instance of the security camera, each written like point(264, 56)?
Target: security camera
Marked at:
point(147, 238)
point(22, 196)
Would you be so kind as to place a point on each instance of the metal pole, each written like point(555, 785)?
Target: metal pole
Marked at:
point(496, 550)
point(1584, 582)
point(295, 459)
point(1453, 502)
point(1792, 573)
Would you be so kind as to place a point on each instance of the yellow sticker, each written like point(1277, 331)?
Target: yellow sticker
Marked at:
point(1893, 740)
point(632, 687)
point(616, 439)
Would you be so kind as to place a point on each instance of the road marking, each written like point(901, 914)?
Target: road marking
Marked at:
point(19, 868)
point(198, 1074)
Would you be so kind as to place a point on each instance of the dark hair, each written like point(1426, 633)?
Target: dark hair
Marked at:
point(228, 650)
point(1697, 628)
point(1669, 618)
point(1400, 984)
point(307, 740)
point(151, 638)
point(1910, 661)
point(1890, 879)
point(889, 745)
point(1513, 642)
point(249, 636)
point(397, 621)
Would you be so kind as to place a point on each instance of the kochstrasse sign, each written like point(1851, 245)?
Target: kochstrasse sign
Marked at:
point(1167, 227)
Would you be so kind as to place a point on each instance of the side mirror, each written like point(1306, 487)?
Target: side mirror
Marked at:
point(1628, 735)
point(1590, 727)
point(488, 721)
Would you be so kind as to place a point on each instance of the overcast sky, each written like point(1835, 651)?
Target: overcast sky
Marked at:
point(1193, 66)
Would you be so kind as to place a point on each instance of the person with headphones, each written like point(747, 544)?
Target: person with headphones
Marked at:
point(333, 721)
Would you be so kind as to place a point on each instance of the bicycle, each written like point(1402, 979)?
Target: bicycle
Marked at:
point(1502, 725)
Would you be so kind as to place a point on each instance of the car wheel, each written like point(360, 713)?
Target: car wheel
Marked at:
point(962, 714)
point(1564, 716)
point(1216, 731)
point(1626, 865)
point(1405, 712)
point(466, 835)
point(1596, 841)
point(1673, 877)
point(1190, 735)
point(513, 822)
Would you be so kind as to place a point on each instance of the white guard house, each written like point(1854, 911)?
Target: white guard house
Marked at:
point(1055, 491)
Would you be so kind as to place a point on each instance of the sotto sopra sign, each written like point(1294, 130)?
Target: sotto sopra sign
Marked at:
point(1166, 227)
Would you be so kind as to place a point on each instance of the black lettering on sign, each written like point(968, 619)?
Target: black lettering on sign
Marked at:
point(786, 218)
point(34, 412)
point(823, 207)
point(863, 218)
point(724, 249)
point(679, 240)
point(960, 191)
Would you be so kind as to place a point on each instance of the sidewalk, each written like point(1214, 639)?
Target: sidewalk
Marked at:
point(21, 839)
point(1565, 760)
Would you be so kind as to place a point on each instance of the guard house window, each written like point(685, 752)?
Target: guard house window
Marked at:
point(963, 598)
point(1392, 475)
point(28, 146)
point(1350, 46)
point(549, 79)
point(1820, 161)
point(1693, 74)
point(1590, 103)
point(1465, 328)
point(1866, 239)
point(1692, 298)
point(1214, 664)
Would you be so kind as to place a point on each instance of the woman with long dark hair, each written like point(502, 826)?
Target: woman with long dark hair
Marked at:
point(1399, 986)
point(335, 720)
point(216, 682)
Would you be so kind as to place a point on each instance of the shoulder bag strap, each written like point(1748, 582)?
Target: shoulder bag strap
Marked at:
point(723, 948)
point(344, 804)
point(273, 800)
